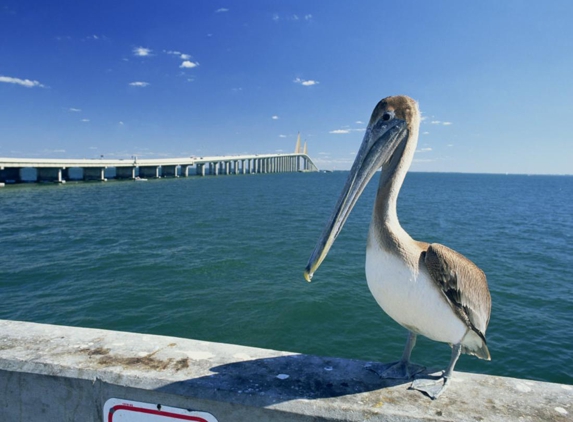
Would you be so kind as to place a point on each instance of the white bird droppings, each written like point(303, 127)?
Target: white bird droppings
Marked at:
point(282, 376)
point(523, 388)
point(198, 355)
point(561, 410)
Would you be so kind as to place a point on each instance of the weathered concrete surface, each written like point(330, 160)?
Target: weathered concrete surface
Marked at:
point(60, 373)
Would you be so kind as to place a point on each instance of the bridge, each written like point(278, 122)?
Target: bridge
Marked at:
point(58, 170)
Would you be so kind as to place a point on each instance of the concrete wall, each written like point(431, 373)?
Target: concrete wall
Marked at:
point(55, 373)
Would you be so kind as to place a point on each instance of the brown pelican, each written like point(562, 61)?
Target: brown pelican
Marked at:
point(429, 289)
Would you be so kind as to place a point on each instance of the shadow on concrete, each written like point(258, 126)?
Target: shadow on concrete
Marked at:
point(274, 380)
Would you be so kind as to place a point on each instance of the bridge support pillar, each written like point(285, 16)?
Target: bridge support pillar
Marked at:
point(94, 173)
point(50, 174)
point(169, 171)
point(125, 172)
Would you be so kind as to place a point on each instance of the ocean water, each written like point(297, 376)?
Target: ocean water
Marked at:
point(222, 258)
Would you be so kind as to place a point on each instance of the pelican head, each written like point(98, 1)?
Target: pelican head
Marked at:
point(393, 122)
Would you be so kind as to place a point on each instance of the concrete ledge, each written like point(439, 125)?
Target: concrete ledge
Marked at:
point(55, 373)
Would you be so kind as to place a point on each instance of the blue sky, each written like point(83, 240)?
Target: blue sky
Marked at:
point(81, 79)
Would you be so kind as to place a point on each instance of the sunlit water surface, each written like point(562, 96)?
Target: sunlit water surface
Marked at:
point(221, 259)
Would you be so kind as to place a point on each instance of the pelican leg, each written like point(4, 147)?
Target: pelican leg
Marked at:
point(434, 386)
point(403, 369)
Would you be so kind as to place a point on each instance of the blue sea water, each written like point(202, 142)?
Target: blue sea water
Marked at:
point(221, 259)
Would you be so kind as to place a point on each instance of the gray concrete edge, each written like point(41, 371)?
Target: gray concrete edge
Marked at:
point(50, 372)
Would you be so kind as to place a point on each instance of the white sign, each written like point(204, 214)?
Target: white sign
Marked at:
point(119, 410)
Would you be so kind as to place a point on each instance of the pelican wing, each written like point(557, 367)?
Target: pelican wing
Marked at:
point(463, 284)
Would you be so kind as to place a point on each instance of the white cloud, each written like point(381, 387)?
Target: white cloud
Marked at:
point(438, 122)
point(23, 82)
point(139, 84)
point(308, 17)
point(222, 10)
point(275, 117)
point(121, 123)
point(85, 120)
point(359, 122)
point(340, 131)
point(182, 56)
point(275, 17)
point(303, 82)
point(424, 150)
point(141, 52)
point(282, 136)
point(75, 110)
point(425, 133)
point(188, 64)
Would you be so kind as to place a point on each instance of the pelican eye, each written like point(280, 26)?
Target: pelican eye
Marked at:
point(388, 115)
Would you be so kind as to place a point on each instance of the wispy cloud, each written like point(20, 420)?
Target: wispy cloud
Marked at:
point(188, 64)
point(282, 136)
point(142, 52)
point(85, 120)
point(425, 133)
point(222, 10)
point(293, 18)
point(345, 131)
point(97, 37)
point(23, 82)
point(424, 149)
point(75, 110)
point(139, 84)
point(304, 82)
point(438, 122)
point(275, 117)
point(182, 56)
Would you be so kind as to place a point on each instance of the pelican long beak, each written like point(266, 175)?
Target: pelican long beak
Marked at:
point(380, 141)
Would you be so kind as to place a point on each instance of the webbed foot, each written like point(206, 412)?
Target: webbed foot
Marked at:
point(431, 385)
